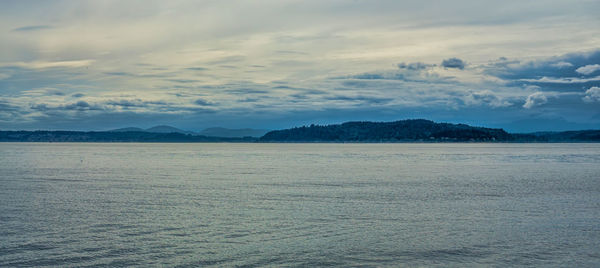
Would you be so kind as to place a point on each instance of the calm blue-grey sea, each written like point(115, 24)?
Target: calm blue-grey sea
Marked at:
point(299, 205)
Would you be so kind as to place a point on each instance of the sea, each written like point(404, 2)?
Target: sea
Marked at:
point(299, 205)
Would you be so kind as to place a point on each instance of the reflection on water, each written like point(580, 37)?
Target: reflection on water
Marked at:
point(299, 204)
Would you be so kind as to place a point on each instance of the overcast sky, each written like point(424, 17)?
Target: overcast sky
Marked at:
point(98, 65)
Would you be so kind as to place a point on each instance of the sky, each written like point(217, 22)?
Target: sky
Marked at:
point(97, 65)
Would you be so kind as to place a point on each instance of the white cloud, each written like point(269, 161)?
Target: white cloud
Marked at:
point(561, 80)
point(535, 99)
point(588, 69)
point(562, 64)
point(592, 94)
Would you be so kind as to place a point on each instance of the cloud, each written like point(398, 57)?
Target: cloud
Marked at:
point(248, 100)
point(49, 64)
point(41, 92)
point(592, 94)
point(558, 73)
point(453, 63)
point(561, 64)
point(74, 106)
point(588, 69)
point(196, 69)
point(184, 81)
point(243, 91)
point(368, 76)
point(535, 99)
point(362, 99)
point(32, 28)
point(487, 97)
point(80, 105)
point(415, 66)
point(119, 73)
point(203, 102)
point(6, 106)
point(127, 103)
point(562, 80)
point(77, 95)
point(128, 47)
point(552, 67)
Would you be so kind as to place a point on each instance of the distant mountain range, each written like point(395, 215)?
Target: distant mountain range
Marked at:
point(415, 130)
point(155, 129)
point(233, 133)
point(211, 132)
point(109, 136)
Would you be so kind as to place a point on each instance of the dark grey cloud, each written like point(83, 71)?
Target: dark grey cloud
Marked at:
point(247, 91)
point(183, 81)
point(561, 66)
point(6, 106)
point(249, 100)
point(291, 52)
point(54, 92)
point(80, 105)
point(380, 76)
point(455, 63)
point(414, 66)
point(77, 95)
point(134, 103)
point(126, 103)
point(356, 83)
point(203, 102)
point(299, 96)
point(404, 75)
point(128, 74)
point(74, 106)
point(310, 91)
point(552, 74)
point(32, 28)
point(119, 73)
point(362, 99)
point(489, 98)
point(368, 76)
point(196, 69)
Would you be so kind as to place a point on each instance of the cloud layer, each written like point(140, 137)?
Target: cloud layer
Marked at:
point(274, 64)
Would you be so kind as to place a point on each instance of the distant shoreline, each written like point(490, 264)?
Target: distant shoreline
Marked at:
point(403, 131)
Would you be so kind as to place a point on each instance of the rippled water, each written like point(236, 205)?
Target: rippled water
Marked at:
point(69, 204)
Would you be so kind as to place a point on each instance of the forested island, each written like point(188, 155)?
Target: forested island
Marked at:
point(414, 130)
point(418, 130)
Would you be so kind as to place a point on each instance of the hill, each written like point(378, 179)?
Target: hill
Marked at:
point(108, 136)
point(167, 129)
point(398, 131)
point(155, 129)
point(128, 129)
point(233, 133)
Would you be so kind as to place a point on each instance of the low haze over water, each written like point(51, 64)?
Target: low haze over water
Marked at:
point(75, 204)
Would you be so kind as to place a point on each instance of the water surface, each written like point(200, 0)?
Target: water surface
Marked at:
point(118, 204)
